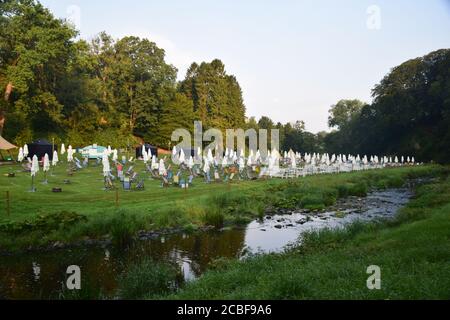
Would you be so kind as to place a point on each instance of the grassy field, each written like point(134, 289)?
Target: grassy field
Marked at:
point(84, 209)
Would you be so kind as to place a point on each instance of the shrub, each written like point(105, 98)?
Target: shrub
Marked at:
point(214, 217)
point(147, 279)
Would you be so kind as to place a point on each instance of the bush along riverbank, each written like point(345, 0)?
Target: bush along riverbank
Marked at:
point(412, 251)
point(226, 205)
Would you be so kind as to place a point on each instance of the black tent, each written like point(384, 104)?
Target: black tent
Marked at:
point(148, 147)
point(40, 148)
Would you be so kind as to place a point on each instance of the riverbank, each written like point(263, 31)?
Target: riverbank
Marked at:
point(411, 250)
point(84, 213)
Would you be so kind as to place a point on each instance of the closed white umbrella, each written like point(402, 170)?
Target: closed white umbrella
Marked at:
point(106, 166)
point(206, 167)
point(162, 168)
point(20, 156)
point(115, 155)
point(55, 159)
point(145, 156)
point(34, 166)
point(63, 149)
point(69, 154)
point(34, 171)
point(154, 164)
point(25, 150)
point(46, 167)
point(293, 162)
point(210, 156)
point(191, 163)
point(182, 157)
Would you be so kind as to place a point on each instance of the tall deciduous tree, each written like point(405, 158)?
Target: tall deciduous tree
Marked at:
point(35, 50)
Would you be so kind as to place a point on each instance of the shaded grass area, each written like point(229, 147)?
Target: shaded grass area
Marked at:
point(84, 210)
point(412, 250)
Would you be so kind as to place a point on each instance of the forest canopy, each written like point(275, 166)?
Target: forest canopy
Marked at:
point(112, 91)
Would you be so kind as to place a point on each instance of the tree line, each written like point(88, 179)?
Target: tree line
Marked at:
point(111, 91)
point(104, 90)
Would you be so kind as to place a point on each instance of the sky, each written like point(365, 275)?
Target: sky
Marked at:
point(293, 59)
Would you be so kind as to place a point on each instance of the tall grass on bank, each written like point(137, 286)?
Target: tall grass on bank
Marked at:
point(147, 279)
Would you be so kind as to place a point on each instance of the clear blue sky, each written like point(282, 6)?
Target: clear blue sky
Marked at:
point(293, 59)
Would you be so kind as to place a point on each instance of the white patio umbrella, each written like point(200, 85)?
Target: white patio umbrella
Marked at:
point(154, 164)
point(210, 156)
point(20, 156)
point(149, 153)
point(55, 159)
point(293, 162)
point(25, 150)
point(106, 166)
point(69, 154)
point(162, 168)
point(34, 171)
point(191, 163)
point(145, 156)
point(34, 166)
point(182, 158)
point(63, 149)
point(46, 167)
point(206, 167)
point(241, 163)
point(115, 155)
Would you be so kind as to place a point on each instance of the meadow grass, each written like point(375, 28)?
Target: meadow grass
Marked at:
point(155, 208)
point(412, 250)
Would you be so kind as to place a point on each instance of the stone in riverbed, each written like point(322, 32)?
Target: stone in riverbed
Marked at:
point(278, 226)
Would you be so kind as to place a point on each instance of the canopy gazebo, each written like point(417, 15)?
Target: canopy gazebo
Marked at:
point(6, 146)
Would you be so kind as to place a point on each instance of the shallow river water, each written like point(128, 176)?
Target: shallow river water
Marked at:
point(41, 275)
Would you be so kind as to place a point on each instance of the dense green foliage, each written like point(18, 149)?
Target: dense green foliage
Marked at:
point(412, 251)
point(106, 91)
point(410, 114)
point(112, 91)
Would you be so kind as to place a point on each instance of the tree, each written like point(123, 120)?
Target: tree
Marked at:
point(343, 112)
point(265, 123)
point(176, 114)
point(35, 50)
point(217, 97)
